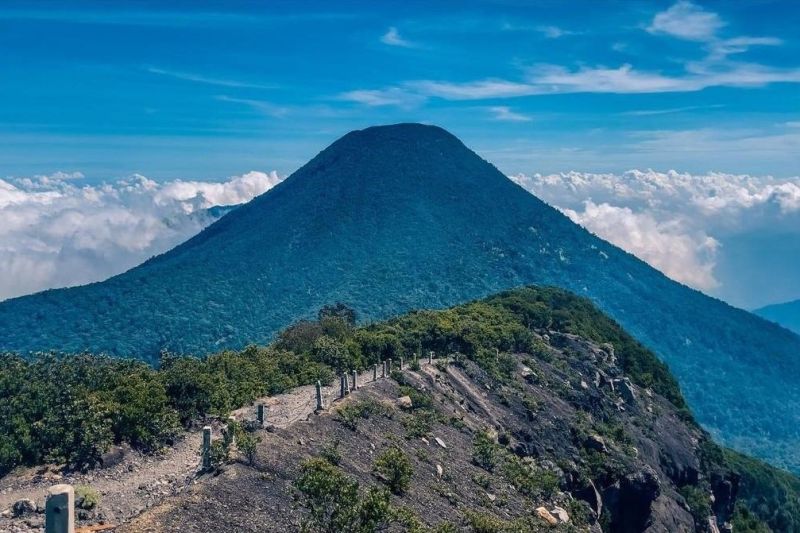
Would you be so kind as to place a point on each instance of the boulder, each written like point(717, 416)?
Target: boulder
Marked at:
point(560, 513)
point(113, 456)
point(404, 402)
point(597, 443)
point(627, 390)
point(23, 507)
point(545, 515)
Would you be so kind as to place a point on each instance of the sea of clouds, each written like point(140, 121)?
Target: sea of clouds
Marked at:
point(680, 223)
point(58, 231)
point(702, 230)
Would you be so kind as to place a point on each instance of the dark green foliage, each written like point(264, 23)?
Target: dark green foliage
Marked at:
point(340, 311)
point(350, 413)
point(247, 443)
point(698, 501)
point(527, 478)
point(744, 521)
point(419, 399)
point(419, 422)
point(394, 469)
point(86, 497)
point(770, 494)
point(334, 503)
point(219, 454)
point(70, 409)
point(485, 453)
point(330, 452)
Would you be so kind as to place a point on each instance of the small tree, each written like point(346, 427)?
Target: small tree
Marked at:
point(332, 352)
point(247, 443)
point(394, 469)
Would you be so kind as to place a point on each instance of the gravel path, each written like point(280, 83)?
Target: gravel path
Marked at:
point(138, 482)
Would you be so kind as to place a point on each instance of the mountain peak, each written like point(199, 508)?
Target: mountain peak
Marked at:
point(399, 141)
point(404, 130)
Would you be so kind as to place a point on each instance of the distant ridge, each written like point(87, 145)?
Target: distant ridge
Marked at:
point(392, 218)
point(786, 314)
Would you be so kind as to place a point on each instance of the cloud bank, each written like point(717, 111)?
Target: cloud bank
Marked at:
point(60, 232)
point(677, 222)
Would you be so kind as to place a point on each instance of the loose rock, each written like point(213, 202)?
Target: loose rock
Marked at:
point(545, 515)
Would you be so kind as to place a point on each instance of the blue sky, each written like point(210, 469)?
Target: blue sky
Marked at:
point(207, 90)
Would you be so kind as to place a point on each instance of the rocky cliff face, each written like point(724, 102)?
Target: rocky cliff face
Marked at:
point(560, 439)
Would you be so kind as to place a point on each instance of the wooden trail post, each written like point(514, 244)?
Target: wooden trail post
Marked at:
point(383, 369)
point(430, 357)
point(355, 379)
point(260, 414)
point(60, 509)
point(230, 431)
point(318, 388)
point(401, 363)
point(206, 447)
point(375, 372)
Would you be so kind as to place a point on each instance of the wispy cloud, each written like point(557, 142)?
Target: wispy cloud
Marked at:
point(686, 20)
point(259, 105)
point(392, 37)
point(506, 114)
point(668, 111)
point(393, 96)
point(198, 78)
point(683, 20)
point(554, 32)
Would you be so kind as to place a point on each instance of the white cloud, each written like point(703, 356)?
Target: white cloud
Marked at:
point(506, 114)
point(675, 221)
point(686, 20)
point(392, 37)
point(393, 96)
point(683, 255)
point(554, 32)
point(267, 108)
point(58, 232)
point(197, 78)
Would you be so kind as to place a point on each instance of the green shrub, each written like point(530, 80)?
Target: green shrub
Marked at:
point(394, 469)
point(419, 423)
point(528, 479)
point(350, 413)
point(219, 454)
point(484, 451)
point(86, 497)
point(330, 452)
point(698, 501)
point(419, 399)
point(247, 444)
point(334, 504)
